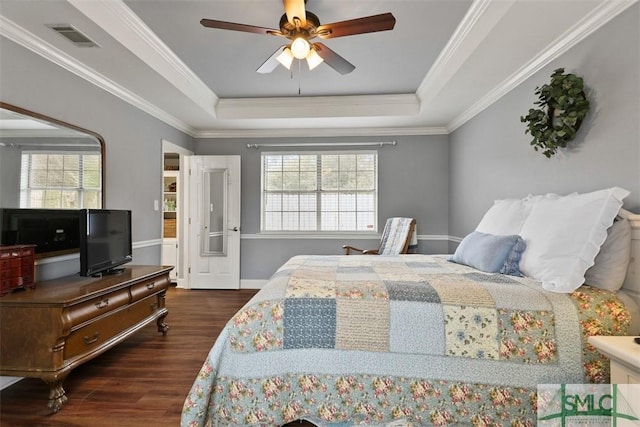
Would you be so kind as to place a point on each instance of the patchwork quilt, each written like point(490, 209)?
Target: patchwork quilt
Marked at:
point(410, 339)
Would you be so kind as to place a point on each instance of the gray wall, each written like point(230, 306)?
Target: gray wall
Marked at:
point(412, 181)
point(491, 157)
point(10, 159)
point(132, 138)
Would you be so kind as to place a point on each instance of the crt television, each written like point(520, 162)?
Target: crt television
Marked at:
point(105, 241)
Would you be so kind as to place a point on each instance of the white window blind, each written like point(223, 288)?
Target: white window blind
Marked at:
point(319, 191)
point(60, 180)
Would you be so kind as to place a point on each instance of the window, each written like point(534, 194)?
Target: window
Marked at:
point(60, 180)
point(319, 191)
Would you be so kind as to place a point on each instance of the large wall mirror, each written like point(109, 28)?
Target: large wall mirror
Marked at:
point(48, 164)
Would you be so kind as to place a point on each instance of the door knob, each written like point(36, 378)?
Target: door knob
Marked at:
point(233, 229)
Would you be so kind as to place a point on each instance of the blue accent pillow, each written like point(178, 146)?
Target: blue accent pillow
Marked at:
point(490, 253)
point(512, 263)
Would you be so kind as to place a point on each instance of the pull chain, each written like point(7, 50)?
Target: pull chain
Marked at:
point(299, 75)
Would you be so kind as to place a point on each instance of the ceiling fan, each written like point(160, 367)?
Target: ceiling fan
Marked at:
point(301, 27)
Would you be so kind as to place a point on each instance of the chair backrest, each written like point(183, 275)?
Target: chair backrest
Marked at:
point(396, 236)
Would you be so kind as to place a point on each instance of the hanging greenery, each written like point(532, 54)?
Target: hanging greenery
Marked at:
point(562, 105)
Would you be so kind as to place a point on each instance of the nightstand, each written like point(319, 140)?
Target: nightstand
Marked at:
point(624, 354)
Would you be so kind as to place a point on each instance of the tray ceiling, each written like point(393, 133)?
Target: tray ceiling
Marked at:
point(444, 61)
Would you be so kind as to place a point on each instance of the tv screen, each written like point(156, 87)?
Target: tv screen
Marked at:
point(53, 231)
point(105, 241)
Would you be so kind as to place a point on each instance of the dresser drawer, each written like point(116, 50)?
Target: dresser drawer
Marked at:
point(98, 333)
point(97, 306)
point(5, 286)
point(10, 263)
point(149, 287)
point(143, 308)
point(17, 282)
point(16, 271)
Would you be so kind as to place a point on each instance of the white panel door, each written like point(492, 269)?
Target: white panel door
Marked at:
point(214, 222)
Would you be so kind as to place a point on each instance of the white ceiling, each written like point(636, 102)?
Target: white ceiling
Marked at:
point(444, 62)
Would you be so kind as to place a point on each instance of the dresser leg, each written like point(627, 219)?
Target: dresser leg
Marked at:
point(57, 395)
point(162, 327)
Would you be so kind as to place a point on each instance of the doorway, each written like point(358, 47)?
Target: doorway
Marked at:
point(174, 212)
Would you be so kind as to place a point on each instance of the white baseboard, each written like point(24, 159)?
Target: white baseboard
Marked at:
point(252, 284)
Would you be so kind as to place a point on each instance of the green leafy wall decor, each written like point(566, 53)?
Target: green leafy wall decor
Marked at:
point(562, 106)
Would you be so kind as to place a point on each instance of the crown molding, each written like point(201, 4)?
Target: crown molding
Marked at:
point(121, 23)
point(599, 16)
point(321, 132)
point(479, 20)
point(19, 35)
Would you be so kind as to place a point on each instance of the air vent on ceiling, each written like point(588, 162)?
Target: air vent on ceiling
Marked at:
point(73, 35)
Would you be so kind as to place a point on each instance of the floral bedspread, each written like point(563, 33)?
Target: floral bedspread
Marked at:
point(399, 340)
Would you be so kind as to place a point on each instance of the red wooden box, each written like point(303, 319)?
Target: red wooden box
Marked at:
point(16, 268)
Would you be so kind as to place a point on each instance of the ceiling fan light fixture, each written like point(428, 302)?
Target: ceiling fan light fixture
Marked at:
point(300, 48)
point(285, 58)
point(300, 26)
point(313, 59)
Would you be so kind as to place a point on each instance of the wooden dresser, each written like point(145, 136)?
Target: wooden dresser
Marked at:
point(47, 331)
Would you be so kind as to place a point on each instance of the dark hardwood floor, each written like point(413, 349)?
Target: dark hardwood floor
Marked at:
point(140, 382)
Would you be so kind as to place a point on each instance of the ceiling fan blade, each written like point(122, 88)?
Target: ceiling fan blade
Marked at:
point(367, 24)
point(295, 9)
point(271, 63)
point(223, 25)
point(334, 60)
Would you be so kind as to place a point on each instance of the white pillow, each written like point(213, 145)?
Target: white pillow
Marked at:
point(610, 266)
point(507, 216)
point(564, 235)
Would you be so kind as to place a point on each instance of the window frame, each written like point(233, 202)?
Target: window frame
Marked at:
point(26, 190)
point(318, 192)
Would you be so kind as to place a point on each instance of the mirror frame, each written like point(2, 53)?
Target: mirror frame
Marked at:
point(57, 122)
point(208, 176)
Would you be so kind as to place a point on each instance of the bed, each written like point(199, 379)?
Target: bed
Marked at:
point(411, 340)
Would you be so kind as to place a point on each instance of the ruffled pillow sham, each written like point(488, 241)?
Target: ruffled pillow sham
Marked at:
point(563, 236)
